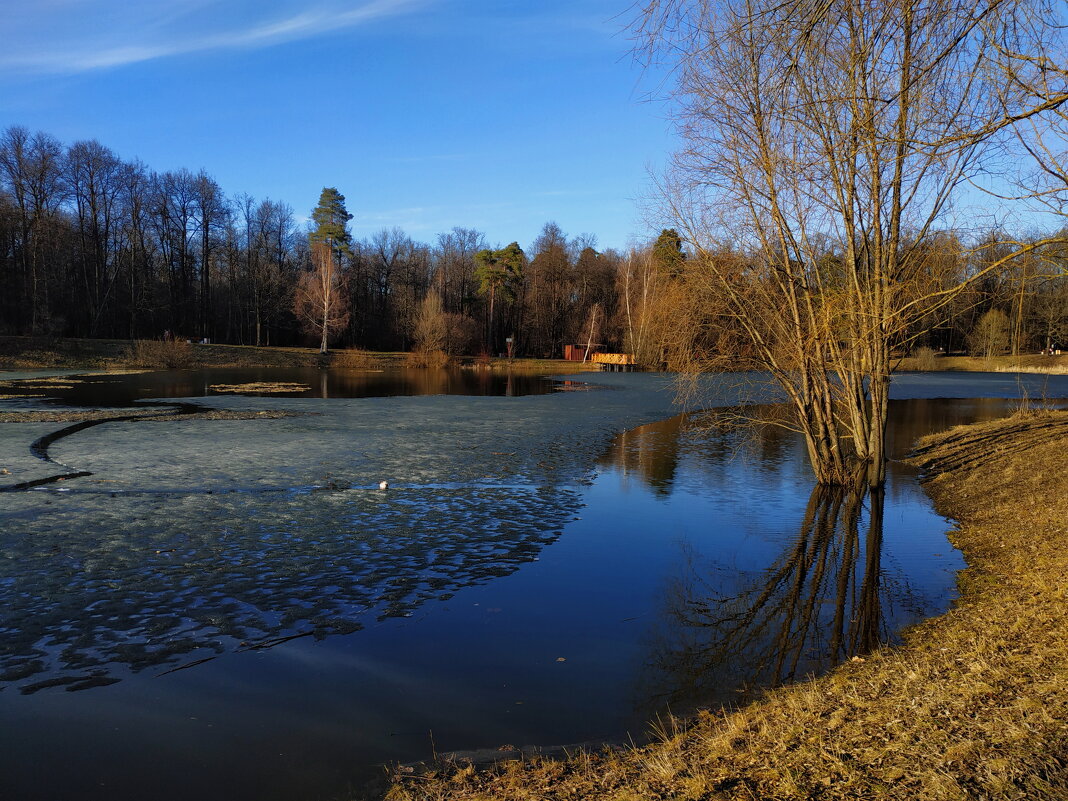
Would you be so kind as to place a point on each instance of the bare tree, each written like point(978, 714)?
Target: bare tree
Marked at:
point(174, 205)
point(594, 329)
point(430, 329)
point(1051, 312)
point(638, 291)
point(656, 311)
point(1040, 74)
point(454, 274)
point(213, 215)
point(549, 289)
point(93, 173)
point(319, 301)
point(31, 166)
point(827, 142)
point(990, 337)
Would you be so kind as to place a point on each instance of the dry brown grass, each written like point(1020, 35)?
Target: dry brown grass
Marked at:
point(260, 388)
point(39, 352)
point(973, 706)
point(353, 358)
point(433, 359)
point(110, 354)
point(529, 365)
point(1027, 363)
point(36, 352)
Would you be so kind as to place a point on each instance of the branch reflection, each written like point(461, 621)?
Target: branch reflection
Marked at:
point(820, 603)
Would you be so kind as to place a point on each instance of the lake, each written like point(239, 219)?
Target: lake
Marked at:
point(230, 609)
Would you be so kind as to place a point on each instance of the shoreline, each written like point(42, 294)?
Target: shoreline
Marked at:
point(114, 355)
point(110, 355)
point(971, 705)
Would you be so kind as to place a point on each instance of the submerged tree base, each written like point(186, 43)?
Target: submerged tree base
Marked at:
point(972, 706)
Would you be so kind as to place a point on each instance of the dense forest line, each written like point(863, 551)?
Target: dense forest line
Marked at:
point(92, 245)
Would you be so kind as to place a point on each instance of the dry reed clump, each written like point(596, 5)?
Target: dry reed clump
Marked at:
point(171, 353)
point(352, 358)
point(1027, 363)
point(1061, 369)
point(433, 359)
point(924, 359)
point(260, 388)
point(972, 706)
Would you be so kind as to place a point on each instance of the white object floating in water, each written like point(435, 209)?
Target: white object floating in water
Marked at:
point(383, 485)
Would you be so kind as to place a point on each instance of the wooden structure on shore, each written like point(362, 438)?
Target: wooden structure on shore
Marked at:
point(581, 353)
point(615, 362)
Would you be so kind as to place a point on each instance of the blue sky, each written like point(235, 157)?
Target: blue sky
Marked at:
point(425, 114)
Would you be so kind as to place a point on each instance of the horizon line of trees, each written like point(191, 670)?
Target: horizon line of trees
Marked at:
point(95, 246)
point(92, 245)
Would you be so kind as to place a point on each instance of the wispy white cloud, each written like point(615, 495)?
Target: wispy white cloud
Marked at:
point(48, 38)
point(568, 193)
point(428, 219)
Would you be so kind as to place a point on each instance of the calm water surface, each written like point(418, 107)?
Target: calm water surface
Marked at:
point(687, 568)
point(121, 389)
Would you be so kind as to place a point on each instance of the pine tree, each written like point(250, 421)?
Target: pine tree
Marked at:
point(667, 251)
point(331, 220)
point(498, 272)
point(320, 300)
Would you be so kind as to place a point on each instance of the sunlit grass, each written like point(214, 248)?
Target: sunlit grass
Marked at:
point(1027, 363)
point(40, 352)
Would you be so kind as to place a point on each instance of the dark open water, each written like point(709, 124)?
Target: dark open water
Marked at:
point(119, 389)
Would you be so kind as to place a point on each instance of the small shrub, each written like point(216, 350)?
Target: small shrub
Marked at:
point(351, 357)
point(434, 359)
point(924, 359)
point(172, 353)
point(990, 337)
point(430, 328)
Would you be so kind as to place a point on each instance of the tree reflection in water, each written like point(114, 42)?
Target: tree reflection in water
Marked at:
point(820, 603)
point(827, 592)
point(819, 584)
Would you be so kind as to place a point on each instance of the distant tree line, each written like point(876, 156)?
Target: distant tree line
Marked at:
point(1018, 306)
point(92, 245)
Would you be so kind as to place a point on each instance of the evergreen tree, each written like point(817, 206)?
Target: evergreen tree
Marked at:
point(667, 251)
point(331, 220)
point(498, 272)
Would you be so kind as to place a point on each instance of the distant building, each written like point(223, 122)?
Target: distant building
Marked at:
point(577, 353)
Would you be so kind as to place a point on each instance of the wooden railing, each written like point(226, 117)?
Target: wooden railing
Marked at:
point(613, 358)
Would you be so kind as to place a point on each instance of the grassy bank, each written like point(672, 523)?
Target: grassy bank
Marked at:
point(973, 706)
point(114, 354)
point(103, 354)
point(1027, 363)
